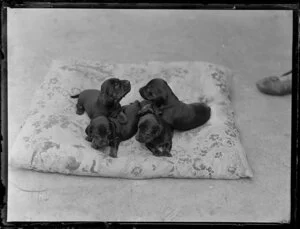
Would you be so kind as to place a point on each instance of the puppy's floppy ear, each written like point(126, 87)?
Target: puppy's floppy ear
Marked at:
point(122, 117)
point(105, 85)
point(105, 97)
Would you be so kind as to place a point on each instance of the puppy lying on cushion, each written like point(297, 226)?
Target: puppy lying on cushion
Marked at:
point(104, 102)
point(179, 115)
point(154, 132)
point(108, 131)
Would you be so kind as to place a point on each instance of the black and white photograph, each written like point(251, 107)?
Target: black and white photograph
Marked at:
point(149, 115)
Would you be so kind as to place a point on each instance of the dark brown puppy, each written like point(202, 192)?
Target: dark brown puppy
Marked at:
point(154, 132)
point(179, 115)
point(104, 102)
point(108, 131)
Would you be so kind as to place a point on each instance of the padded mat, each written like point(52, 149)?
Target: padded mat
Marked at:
point(52, 138)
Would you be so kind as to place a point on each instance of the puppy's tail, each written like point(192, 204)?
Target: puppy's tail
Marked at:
point(74, 96)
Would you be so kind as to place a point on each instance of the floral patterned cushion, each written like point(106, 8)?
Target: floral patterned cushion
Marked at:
point(52, 138)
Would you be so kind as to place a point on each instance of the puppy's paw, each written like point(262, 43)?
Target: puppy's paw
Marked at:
point(158, 153)
point(79, 112)
point(167, 154)
point(113, 155)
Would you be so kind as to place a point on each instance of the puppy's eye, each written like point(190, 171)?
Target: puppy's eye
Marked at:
point(150, 93)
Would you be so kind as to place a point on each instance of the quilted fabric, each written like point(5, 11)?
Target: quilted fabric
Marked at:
point(52, 138)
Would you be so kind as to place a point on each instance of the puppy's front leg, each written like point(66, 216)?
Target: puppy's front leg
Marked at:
point(153, 149)
point(114, 148)
point(167, 149)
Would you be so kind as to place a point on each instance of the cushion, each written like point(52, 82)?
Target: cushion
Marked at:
point(52, 138)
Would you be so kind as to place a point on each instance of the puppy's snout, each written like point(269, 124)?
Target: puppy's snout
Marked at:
point(139, 138)
point(94, 145)
point(141, 91)
point(206, 111)
point(99, 143)
point(208, 108)
point(127, 84)
point(205, 107)
point(143, 138)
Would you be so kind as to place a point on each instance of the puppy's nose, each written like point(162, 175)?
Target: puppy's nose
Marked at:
point(126, 82)
point(141, 91)
point(94, 145)
point(127, 85)
point(138, 138)
point(208, 108)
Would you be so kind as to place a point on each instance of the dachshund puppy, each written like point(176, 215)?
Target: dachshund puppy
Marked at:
point(104, 102)
point(179, 115)
point(99, 132)
point(108, 131)
point(154, 132)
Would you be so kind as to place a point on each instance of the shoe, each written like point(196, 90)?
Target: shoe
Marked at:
point(275, 85)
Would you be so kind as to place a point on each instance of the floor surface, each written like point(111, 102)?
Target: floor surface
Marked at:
point(253, 44)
